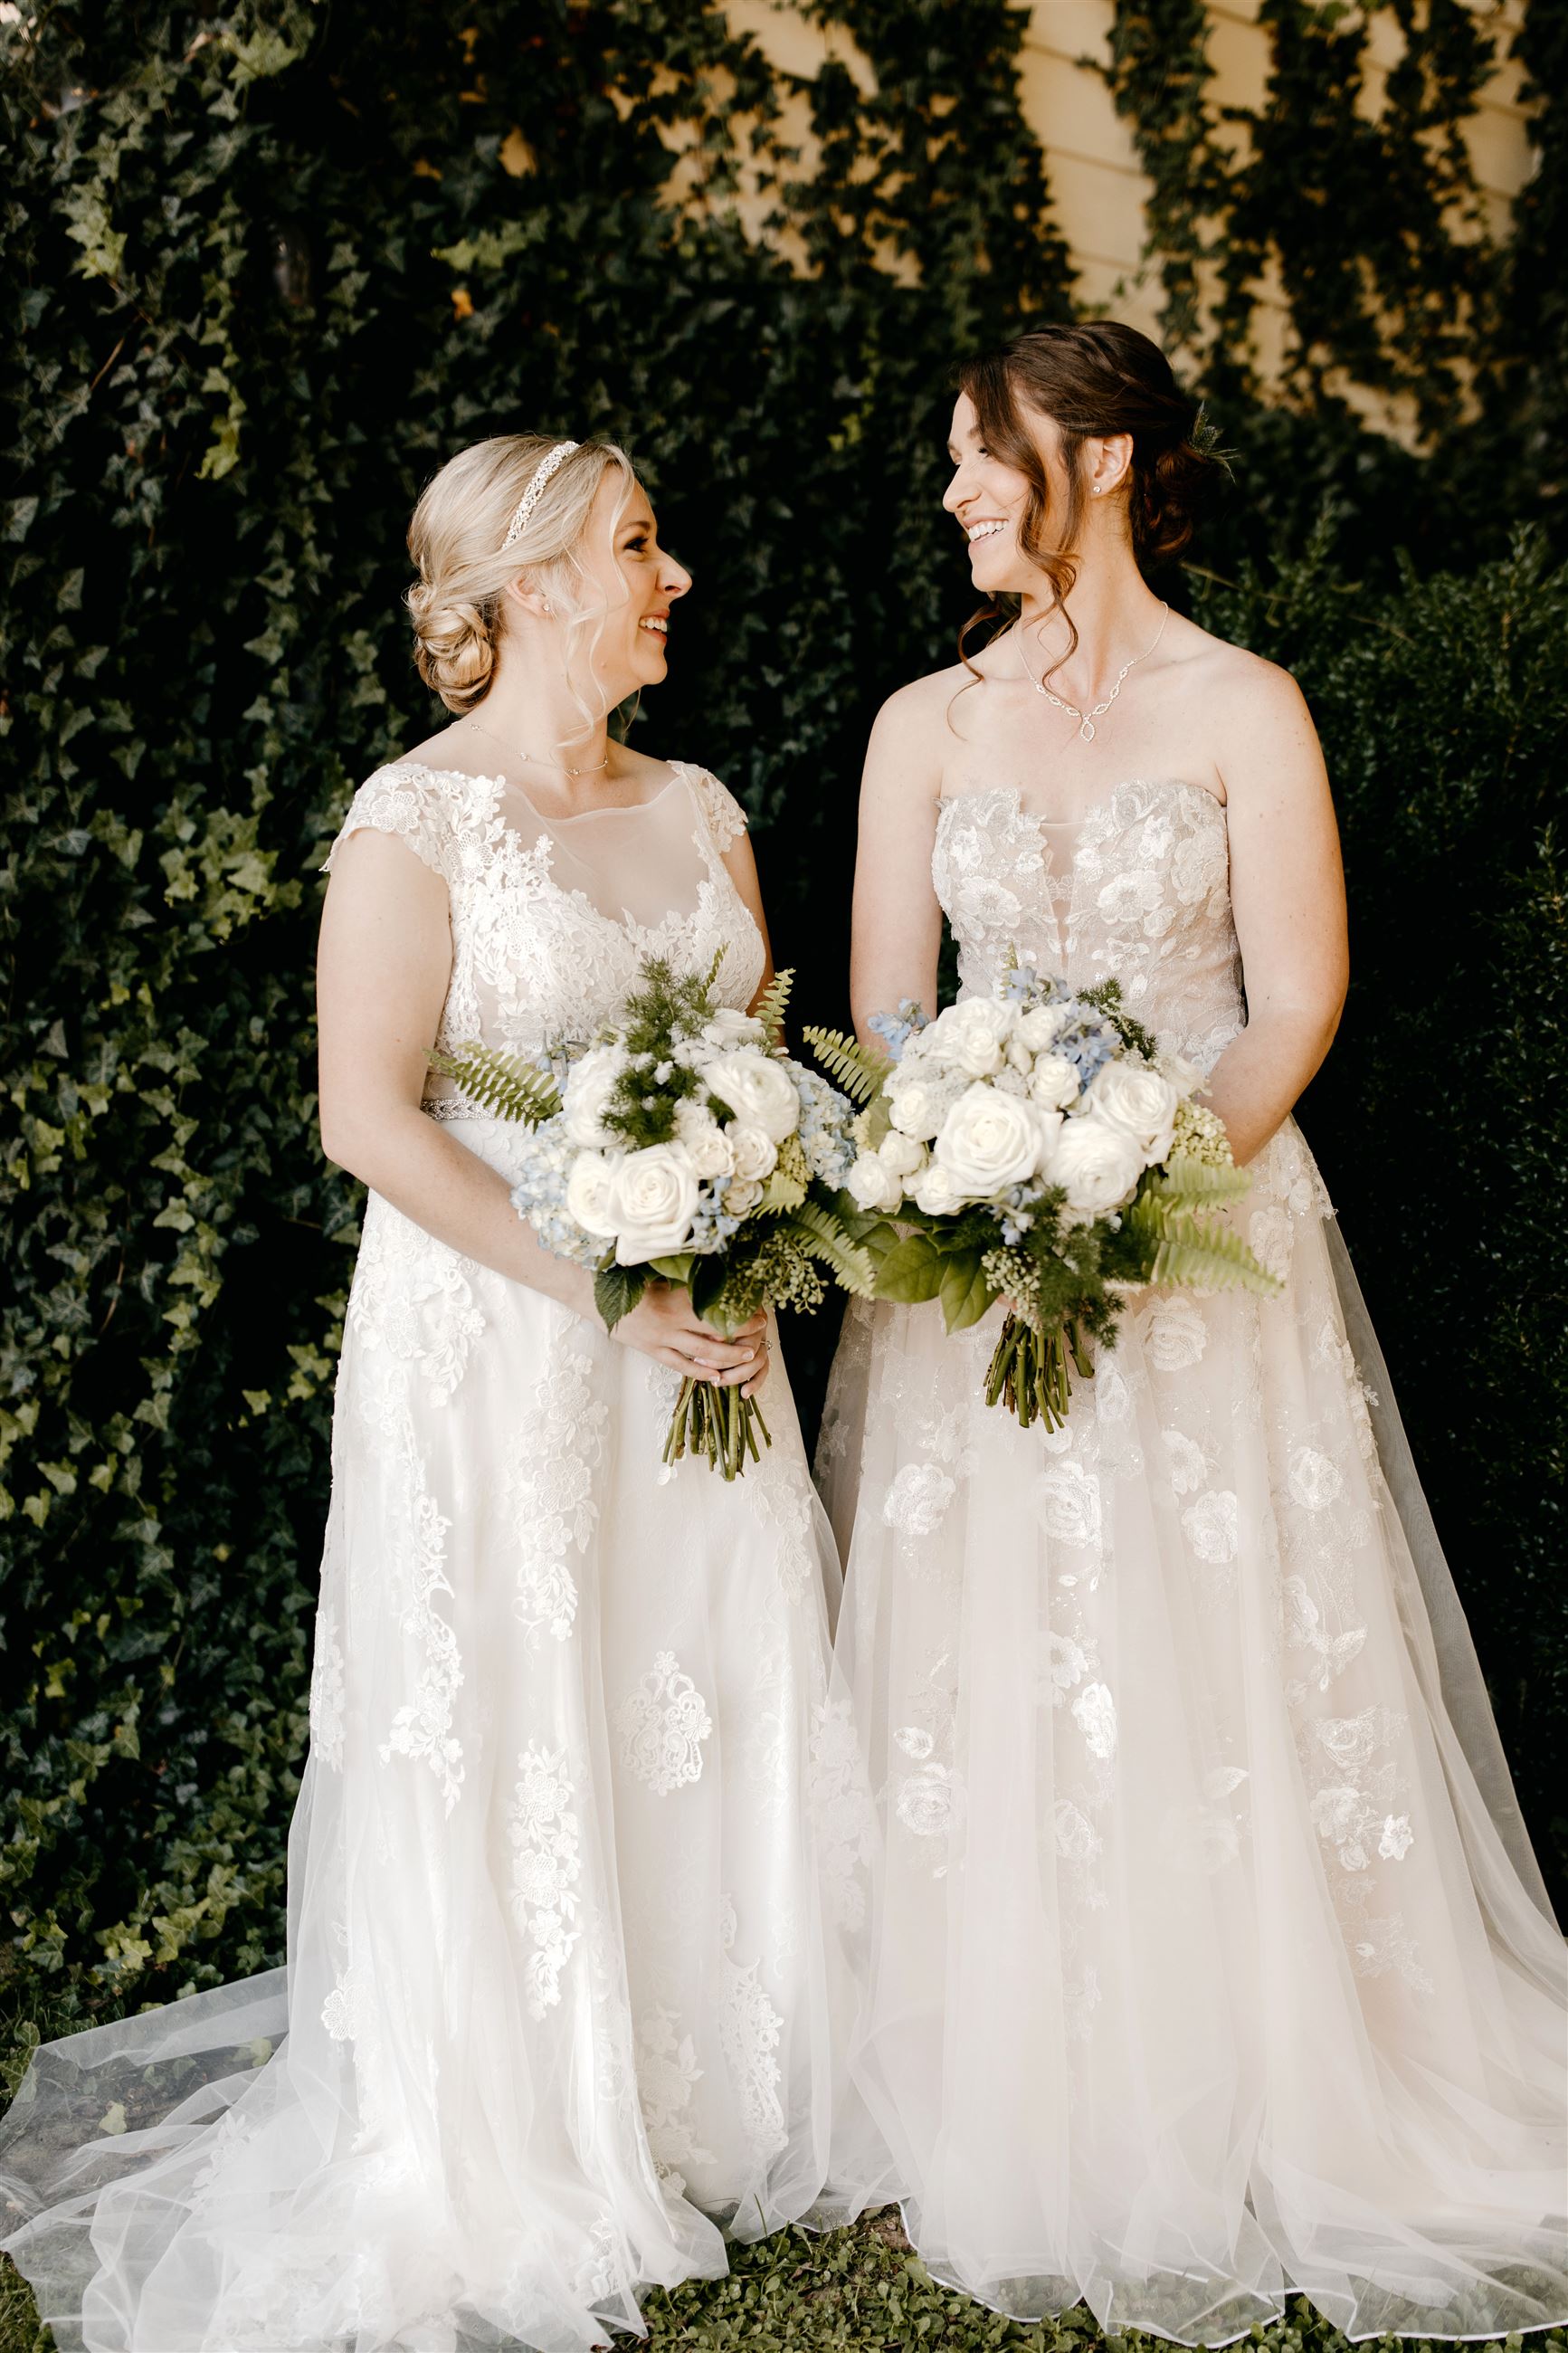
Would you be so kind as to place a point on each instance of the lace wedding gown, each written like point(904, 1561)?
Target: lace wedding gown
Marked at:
point(1210, 1959)
point(581, 1836)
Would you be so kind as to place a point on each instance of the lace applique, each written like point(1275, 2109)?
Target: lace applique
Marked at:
point(929, 1803)
point(414, 1297)
point(327, 1694)
point(1069, 1503)
point(780, 1487)
point(408, 801)
point(748, 2032)
point(1067, 1661)
point(1143, 895)
point(1211, 1527)
point(422, 1728)
point(1305, 1630)
point(727, 820)
point(842, 1811)
point(667, 2073)
point(1185, 1459)
point(663, 1724)
point(916, 1502)
point(1094, 1713)
point(546, 1862)
point(602, 2271)
point(551, 1488)
point(1173, 1331)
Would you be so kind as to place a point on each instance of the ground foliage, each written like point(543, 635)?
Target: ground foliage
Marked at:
point(269, 267)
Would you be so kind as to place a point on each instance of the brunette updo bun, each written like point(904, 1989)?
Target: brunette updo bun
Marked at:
point(1092, 380)
point(457, 541)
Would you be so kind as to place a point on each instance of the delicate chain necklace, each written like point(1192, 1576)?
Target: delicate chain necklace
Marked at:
point(1085, 719)
point(518, 753)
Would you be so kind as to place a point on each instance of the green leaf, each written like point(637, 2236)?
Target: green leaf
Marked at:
point(677, 1267)
point(965, 1294)
point(501, 1084)
point(860, 1071)
point(771, 1006)
point(828, 1238)
point(911, 1270)
point(617, 1290)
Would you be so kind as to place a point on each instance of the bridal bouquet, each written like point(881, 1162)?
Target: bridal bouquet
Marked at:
point(1037, 1147)
point(682, 1144)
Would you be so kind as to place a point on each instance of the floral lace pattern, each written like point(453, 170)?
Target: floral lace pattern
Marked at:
point(667, 2074)
point(662, 1726)
point(550, 1490)
point(748, 2032)
point(546, 1842)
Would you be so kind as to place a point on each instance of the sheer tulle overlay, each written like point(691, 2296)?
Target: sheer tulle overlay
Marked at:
point(1210, 1961)
point(581, 1849)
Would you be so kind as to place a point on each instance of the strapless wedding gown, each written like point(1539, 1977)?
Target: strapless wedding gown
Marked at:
point(1210, 1958)
point(581, 1847)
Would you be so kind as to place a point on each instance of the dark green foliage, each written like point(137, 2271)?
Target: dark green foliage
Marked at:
point(263, 272)
point(1438, 1117)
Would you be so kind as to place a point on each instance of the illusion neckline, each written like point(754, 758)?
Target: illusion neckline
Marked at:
point(1101, 800)
point(682, 773)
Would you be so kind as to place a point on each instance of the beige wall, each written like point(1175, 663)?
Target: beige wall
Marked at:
point(1096, 185)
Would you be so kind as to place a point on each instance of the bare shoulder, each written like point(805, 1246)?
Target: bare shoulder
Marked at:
point(1252, 709)
point(911, 723)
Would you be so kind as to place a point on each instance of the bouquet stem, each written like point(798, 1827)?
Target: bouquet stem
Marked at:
point(716, 1422)
point(1028, 1370)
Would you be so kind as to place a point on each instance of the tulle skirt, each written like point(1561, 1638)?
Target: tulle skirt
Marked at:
point(575, 1878)
point(1209, 1960)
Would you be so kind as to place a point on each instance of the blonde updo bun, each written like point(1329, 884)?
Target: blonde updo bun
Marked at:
point(456, 540)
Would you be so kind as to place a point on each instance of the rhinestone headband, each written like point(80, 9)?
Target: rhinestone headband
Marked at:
point(531, 496)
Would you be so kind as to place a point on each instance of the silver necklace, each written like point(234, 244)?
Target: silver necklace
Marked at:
point(518, 753)
point(1085, 719)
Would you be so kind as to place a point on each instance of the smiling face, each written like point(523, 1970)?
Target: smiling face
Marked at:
point(988, 498)
point(628, 588)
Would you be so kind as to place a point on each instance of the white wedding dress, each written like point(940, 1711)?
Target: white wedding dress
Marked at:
point(1210, 1961)
point(580, 1844)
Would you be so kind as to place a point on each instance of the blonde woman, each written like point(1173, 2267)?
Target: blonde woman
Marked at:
point(578, 1834)
point(1211, 1961)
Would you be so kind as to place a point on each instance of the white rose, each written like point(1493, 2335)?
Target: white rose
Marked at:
point(936, 1192)
point(757, 1090)
point(1096, 1165)
point(590, 1192)
point(589, 1083)
point(1054, 1085)
point(973, 1036)
point(903, 1156)
point(743, 1196)
point(654, 1197)
point(712, 1151)
point(917, 1104)
point(1141, 1101)
point(729, 1027)
point(751, 1153)
point(1041, 1026)
point(989, 1141)
point(872, 1185)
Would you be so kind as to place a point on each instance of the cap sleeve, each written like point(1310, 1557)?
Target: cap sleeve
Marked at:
point(408, 801)
point(725, 817)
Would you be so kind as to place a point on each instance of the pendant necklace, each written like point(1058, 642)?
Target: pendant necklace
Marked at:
point(1085, 719)
point(518, 753)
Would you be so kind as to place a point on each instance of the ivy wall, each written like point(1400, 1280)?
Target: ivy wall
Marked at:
point(268, 268)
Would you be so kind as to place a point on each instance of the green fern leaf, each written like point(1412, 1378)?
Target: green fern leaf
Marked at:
point(771, 1006)
point(1186, 1179)
point(785, 1190)
point(860, 1070)
point(500, 1084)
point(1183, 1246)
point(822, 1234)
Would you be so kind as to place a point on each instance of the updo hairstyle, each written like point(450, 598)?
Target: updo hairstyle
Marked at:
point(456, 540)
point(1093, 379)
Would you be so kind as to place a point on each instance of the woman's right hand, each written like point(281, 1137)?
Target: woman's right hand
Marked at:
point(666, 1326)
